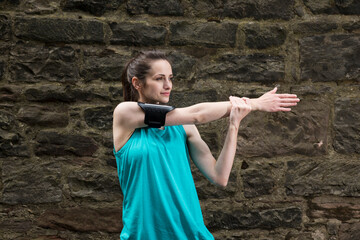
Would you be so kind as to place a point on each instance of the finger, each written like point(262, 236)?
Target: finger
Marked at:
point(274, 90)
point(287, 104)
point(290, 100)
point(284, 109)
point(286, 95)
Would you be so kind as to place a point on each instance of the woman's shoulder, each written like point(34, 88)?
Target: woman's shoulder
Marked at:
point(125, 106)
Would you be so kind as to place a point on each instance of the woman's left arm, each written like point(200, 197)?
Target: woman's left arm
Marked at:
point(218, 171)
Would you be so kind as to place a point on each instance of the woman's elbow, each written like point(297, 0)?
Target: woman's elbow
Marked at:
point(221, 182)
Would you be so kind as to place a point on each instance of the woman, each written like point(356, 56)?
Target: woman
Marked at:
point(160, 199)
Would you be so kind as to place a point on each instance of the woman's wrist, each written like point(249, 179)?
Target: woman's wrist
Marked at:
point(254, 103)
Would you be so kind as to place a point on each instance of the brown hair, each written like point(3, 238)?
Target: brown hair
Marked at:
point(138, 67)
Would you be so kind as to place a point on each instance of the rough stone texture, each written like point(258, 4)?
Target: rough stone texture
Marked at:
point(314, 27)
point(238, 9)
point(55, 144)
point(59, 30)
point(183, 99)
point(12, 144)
point(249, 68)
point(82, 219)
point(260, 37)
point(266, 219)
point(94, 185)
point(36, 7)
point(95, 7)
point(39, 183)
point(155, 7)
point(312, 178)
point(99, 117)
point(347, 7)
point(9, 94)
point(349, 231)
point(102, 64)
point(257, 183)
point(34, 63)
point(67, 94)
point(2, 68)
point(347, 125)
point(182, 65)
point(7, 120)
point(342, 209)
point(330, 58)
point(43, 116)
point(204, 34)
point(5, 27)
point(137, 34)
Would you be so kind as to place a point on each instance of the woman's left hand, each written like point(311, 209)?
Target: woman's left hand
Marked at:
point(240, 108)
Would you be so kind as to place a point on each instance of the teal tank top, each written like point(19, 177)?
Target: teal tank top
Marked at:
point(160, 199)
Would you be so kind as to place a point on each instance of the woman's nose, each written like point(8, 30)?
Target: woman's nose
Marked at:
point(167, 84)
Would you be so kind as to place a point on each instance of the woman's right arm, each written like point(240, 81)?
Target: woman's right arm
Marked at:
point(129, 115)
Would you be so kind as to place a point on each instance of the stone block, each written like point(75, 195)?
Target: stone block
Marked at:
point(102, 64)
point(2, 69)
point(314, 27)
point(55, 93)
point(342, 209)
point(37, 62)
point(59, 30)
point(347, 125)
point(312, 178)
point(259, 9)
point(257, 182)
point(94, 185)
point(12, 145)
point(9, 94)
point(36, 115)
point(95, 7)
point(259, 68)
point(261, 37)
point(320, 6)
point(208, 34)
point(99, 117)
point(330, 58)
point(7, 120)
point(82, 219)
point(349, 231)
point(351, 26)
point(137, 34)
point(155, 7)
point(263, 219)
point(188, 98)
point(349, 7)
point(5, 27)
point(26, 182)
point(182, 65)
point(39, 7)
point(56, 144)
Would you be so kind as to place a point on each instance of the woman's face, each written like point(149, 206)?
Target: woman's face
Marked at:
point(158, 83)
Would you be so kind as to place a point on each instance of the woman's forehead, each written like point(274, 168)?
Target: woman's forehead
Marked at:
point(160, 67)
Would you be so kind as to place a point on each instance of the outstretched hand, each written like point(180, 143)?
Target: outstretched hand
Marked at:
point(239, 109)
point(273, 102)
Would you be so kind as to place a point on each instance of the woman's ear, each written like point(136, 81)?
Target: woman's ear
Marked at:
point(136, 83)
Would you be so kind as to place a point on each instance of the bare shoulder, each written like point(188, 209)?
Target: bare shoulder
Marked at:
point(124, 107)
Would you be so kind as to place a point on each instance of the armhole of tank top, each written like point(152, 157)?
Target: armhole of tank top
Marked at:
point(126, 143)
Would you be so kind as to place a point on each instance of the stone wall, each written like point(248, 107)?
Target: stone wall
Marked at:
point(296, 175)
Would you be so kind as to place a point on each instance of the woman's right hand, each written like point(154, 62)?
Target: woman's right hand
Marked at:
point(240, 108)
